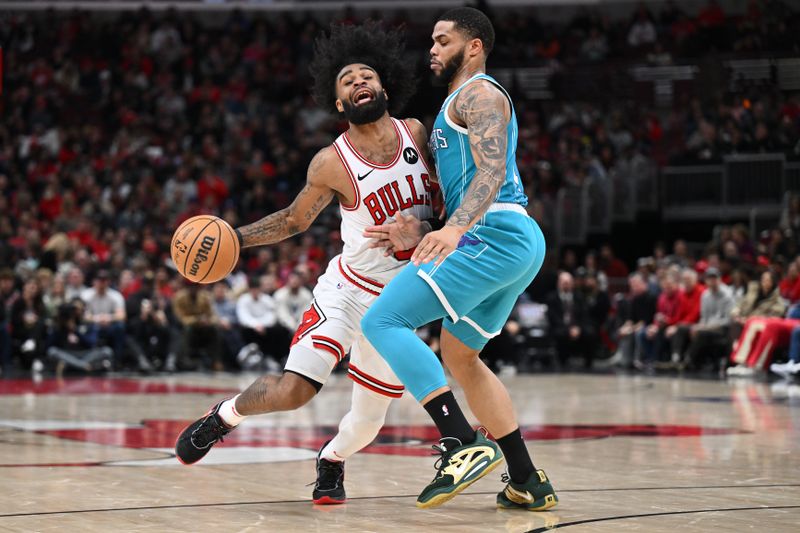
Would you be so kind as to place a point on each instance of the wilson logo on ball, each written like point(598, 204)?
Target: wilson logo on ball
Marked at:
point(206, 246)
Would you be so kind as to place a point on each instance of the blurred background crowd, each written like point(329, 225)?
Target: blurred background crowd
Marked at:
point(118, 127)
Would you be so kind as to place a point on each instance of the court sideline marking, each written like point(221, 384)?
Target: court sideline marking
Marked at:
point(647, 515)
point(274, 502)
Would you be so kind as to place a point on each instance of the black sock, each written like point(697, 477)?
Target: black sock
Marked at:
point(520, 466)
point(449, 419)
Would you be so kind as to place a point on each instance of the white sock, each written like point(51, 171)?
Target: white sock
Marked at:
point(229, 414)
point(359, 426)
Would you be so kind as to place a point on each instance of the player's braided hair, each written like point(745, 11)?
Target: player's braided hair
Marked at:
point(370, 44)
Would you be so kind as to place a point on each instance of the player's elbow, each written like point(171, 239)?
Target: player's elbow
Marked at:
point(296, 224)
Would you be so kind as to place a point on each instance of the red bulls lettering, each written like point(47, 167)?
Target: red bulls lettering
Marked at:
point(388, 200)
point(415, 198)
point(374, 208)
point(405, 203)
point(426, 182)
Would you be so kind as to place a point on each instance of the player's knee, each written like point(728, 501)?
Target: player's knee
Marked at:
point(371, 324)
point(463, 367)
point(295, 392)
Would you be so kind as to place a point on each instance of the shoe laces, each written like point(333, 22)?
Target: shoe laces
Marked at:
point(210, 431)
point(443, 452)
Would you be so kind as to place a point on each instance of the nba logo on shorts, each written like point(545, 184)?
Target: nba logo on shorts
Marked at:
point(339, 285)
point(445, 410)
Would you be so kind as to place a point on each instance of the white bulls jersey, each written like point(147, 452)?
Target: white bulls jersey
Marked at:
point(403, 185)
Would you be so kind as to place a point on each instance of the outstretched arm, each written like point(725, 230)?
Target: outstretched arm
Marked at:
point(296, 218)
point(485, 112)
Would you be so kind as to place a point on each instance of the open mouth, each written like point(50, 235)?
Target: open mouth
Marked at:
point(362, 97)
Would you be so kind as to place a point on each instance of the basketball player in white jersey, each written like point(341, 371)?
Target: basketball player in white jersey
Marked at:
point(377, 171)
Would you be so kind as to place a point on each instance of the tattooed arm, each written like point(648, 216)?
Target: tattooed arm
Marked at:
point(485, 111)
point(296, 218)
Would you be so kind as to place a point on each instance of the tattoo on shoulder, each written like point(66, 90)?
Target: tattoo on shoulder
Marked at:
point(482, 108)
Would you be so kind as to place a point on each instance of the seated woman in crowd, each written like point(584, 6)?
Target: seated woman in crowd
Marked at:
point(763, 330)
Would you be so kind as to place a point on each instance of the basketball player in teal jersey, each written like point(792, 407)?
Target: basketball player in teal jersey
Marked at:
point(470, 273)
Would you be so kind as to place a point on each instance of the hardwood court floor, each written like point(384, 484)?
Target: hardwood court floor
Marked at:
point(624, 453)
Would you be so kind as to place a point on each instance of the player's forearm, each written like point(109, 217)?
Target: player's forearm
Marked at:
point(270, 229)
point(479, 196)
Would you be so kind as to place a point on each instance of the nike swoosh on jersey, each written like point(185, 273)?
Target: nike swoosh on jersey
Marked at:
point(360, 177)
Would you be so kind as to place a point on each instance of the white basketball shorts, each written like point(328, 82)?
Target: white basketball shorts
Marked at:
point(331, 328)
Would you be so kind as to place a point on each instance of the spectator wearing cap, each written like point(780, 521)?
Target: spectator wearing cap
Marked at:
point(711, 332)
point(105, 313)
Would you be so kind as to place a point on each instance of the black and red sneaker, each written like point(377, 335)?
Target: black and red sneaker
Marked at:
point(329, 488)
point(197, 439)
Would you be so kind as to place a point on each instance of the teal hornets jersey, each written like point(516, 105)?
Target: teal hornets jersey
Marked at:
point(455, 166)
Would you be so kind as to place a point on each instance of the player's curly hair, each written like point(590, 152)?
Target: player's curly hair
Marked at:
point(370, 44)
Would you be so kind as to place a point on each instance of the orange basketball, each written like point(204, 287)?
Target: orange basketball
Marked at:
point(205, 249)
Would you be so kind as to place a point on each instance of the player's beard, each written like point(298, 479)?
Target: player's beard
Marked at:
point(365, 113)
point(449, 70)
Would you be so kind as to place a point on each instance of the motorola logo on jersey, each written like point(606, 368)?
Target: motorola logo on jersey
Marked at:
point(389, 199)
point(410, 155)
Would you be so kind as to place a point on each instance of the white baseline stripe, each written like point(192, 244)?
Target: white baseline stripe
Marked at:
point(439, 294)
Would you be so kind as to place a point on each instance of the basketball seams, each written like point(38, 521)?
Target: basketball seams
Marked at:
point(189, 250)
point(219, 238)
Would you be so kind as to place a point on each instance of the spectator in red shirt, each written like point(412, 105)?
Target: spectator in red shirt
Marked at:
point(651, 338)
point(610, 265)
point(790, 285)
point(211, 190)
point(711, 15)
point(688, 314)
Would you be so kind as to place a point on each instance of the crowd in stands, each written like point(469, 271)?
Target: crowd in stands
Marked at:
point(732, 304)
point(116, 129)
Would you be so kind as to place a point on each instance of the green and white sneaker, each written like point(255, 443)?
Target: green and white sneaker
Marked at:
point(458, 467)
point(536, 494)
